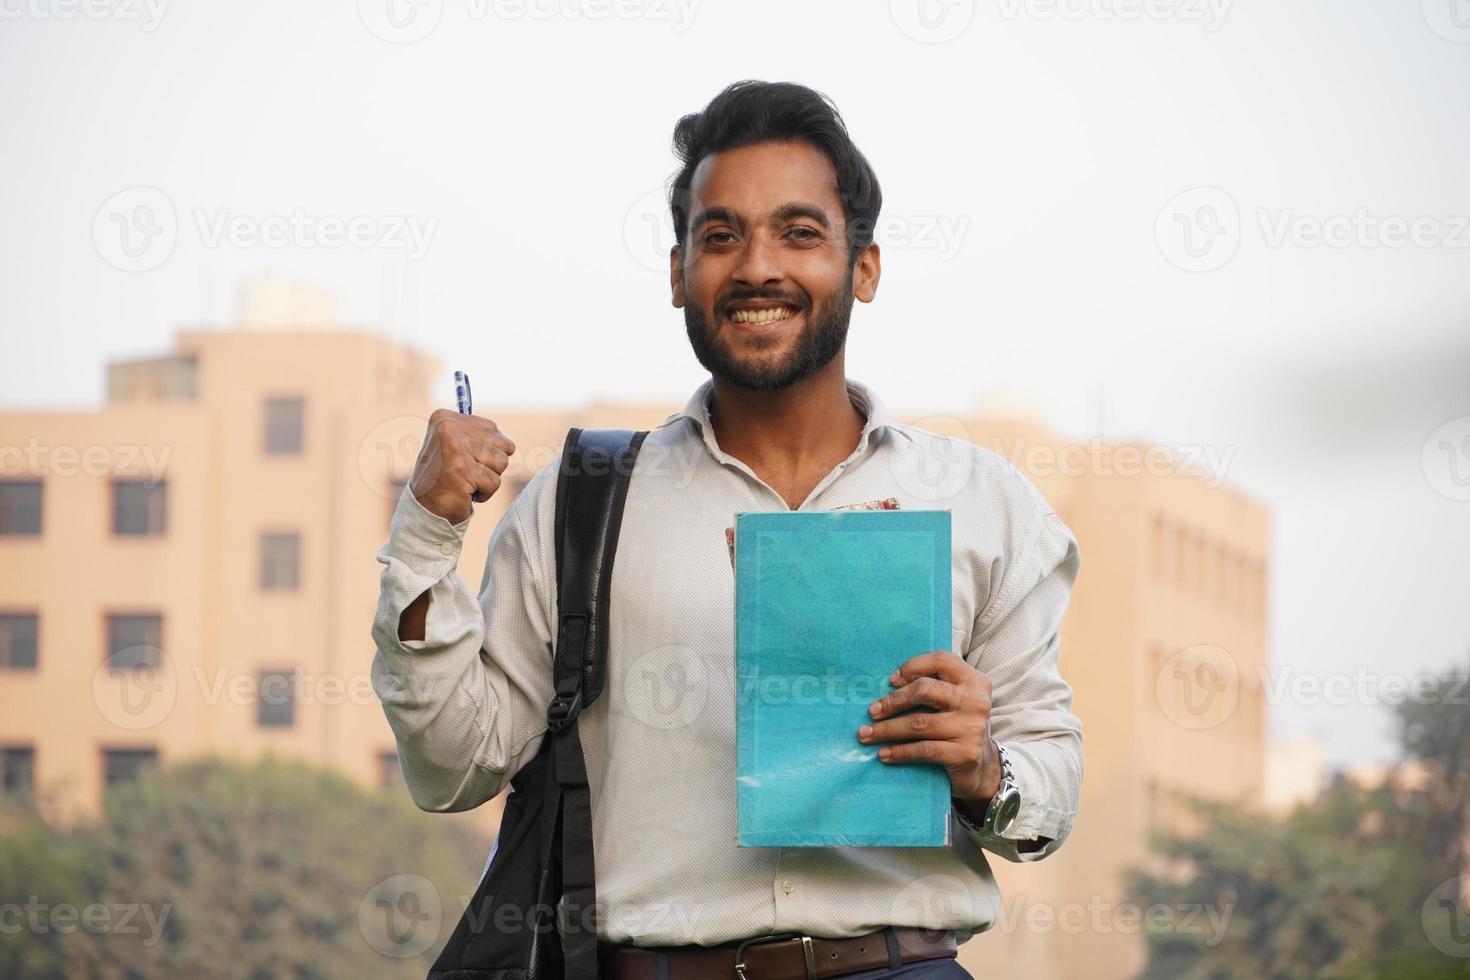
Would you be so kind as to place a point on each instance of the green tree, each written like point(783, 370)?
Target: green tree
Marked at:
point(1336, 889)
point(265, 870)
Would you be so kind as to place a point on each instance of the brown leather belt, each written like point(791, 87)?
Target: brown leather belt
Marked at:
point(787, 956)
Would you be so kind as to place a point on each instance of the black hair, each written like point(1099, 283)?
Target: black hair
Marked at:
point(753, 111)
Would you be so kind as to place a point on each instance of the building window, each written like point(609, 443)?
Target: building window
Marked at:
point(20, 507)
point(17, 770)
point(120, 765)
point(390, 776)
point(138, 507)
point(283, 425)
point(275, 700)
point(18, 636)
point(280, 560)
point(134, 640)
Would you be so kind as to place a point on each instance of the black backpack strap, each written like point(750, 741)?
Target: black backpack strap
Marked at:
point(591, 488)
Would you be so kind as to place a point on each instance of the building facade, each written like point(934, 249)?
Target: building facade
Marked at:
point(188, 570)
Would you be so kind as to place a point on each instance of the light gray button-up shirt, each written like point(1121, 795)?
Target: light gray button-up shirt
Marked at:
point(468, 702)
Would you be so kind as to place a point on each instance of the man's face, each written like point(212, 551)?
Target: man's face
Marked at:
point(767, 241)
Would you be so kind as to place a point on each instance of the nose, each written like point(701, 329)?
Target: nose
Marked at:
point(758, 263)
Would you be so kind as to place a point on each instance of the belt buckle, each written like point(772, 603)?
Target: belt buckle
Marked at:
point(806, 949)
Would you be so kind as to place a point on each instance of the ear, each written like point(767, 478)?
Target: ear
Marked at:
point(676, 277)
point(865, 273)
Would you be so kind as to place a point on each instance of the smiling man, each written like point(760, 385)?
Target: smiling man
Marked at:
point(774, 211)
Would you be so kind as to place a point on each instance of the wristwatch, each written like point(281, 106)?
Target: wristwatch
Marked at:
point(1005, 805)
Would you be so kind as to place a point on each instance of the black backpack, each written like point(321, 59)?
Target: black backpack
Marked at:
point(543, 855)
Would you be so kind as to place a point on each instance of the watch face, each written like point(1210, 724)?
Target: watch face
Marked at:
point(1007, 811)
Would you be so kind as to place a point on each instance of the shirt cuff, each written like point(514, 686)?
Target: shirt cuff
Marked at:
point(425, 543)
point(1027, 827)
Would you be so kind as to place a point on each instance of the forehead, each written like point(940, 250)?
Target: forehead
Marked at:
point(754, 180)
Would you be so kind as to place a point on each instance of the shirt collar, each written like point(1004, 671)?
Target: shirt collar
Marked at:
point(863, 398)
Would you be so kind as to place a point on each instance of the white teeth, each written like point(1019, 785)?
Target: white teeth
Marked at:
point(762, 316)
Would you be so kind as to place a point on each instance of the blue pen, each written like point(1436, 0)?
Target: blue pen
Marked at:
point(462, 393)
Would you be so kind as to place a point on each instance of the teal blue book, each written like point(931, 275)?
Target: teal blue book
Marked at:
point(827, 605)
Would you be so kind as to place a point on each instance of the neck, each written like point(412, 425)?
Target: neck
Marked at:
point(805, 424)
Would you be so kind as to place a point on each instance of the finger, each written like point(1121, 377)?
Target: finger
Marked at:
point(473, 434)
point(919, 691)
point(941, 753)
point(486, 428)
point(936, 663)
point(939, 726)
point(490, 455)
point(485, 481)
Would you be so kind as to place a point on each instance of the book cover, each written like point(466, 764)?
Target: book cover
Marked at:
point(827, 605)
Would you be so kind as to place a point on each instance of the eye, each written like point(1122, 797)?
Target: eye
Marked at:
point(804, 234)
point(724, 236)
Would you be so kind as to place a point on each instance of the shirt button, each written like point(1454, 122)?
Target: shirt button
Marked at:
point(787, 886)
point(446, 549)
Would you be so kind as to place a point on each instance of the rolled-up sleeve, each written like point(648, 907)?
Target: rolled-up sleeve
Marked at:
point(467, 703)
point(1016, 646)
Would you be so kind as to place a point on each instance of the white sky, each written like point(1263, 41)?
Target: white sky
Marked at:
point(1045, 138)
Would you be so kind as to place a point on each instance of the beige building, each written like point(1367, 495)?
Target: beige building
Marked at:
point(188, 570)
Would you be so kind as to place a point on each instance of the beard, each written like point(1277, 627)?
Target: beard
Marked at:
point(821, 339)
